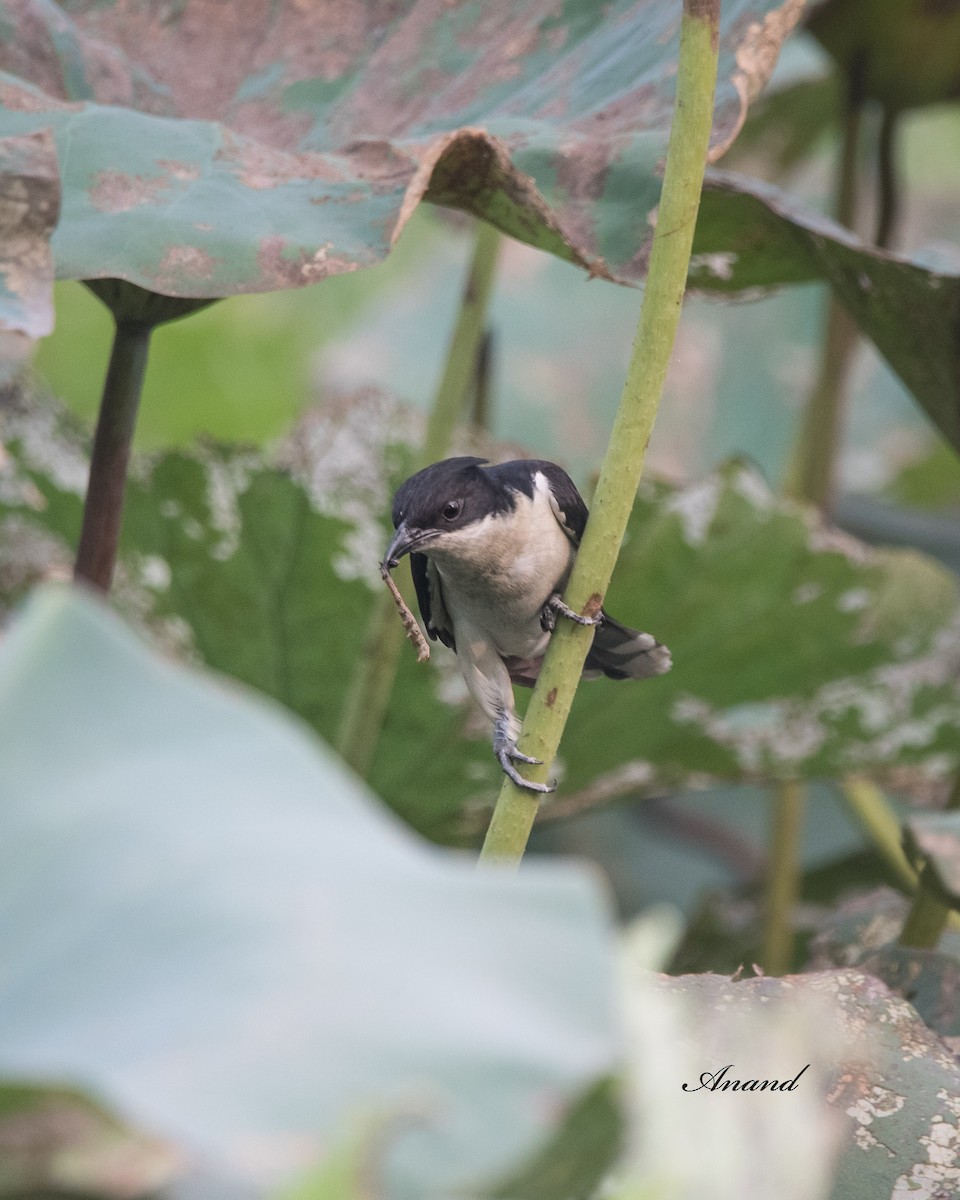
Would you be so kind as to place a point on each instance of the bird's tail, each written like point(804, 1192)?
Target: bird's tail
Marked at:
point(622, 653)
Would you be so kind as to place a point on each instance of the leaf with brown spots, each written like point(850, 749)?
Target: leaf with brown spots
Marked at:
point(202, 161)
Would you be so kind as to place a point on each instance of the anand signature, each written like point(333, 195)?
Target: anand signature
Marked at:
point(717, 1081)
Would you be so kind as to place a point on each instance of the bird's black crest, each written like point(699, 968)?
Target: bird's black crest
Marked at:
point(420, 501)
point(485, 490)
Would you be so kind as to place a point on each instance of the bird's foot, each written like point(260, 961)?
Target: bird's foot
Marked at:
point(505, 748)
point(555, 607)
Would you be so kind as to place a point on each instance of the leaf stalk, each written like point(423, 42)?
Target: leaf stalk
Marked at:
point(103, 509)
point(929, 914)
point(616, 489)
point(368, 695)
point(783, 876)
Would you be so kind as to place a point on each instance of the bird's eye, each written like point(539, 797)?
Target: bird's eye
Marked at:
point(451, 510)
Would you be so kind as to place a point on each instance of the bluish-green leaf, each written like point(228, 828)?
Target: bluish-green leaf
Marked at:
point(208, 919)
point(204, 160)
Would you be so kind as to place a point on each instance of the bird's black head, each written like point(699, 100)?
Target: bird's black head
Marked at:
point(440, 499)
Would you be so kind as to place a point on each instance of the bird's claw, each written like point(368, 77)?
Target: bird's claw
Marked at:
point(518, 756)
point(555, 607)
point(505, 755)
point(505, 748)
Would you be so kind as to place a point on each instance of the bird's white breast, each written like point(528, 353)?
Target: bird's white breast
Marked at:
point(497, 573)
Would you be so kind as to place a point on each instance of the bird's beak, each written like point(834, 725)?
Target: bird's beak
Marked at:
point(404, 542)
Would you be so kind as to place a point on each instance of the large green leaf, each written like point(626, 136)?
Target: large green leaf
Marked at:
point(797, 650)
point(208, 919)
point(753, 235)
point(204, 159)
point(29, 207)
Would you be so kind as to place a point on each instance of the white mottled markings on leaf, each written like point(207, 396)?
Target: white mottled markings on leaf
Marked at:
point(45, 449)
point(804, 593)
point(939, 1176)
point(878, 1102)
point(854, 600)
point(155, 572)
point(696, 506)
point(762, 737)
point(827, 539)
point(340, 454)
point(720, 264)
point(227, 480)
point(753, 487)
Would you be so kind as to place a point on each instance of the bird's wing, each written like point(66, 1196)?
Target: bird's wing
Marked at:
point(566, 502)
point(430, 598)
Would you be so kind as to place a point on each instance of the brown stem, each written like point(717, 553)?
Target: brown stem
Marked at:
point(103, 511)
point(888, 192)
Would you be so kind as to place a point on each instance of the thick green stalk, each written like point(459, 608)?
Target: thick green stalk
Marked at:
point(929, 915)
point(369, 694)
point(871, 808)
point(811, 477)
point(460, 368)
point(869, 805)
point(103, 510)
point(620, 474)
point(783, 877)
point(812, 471)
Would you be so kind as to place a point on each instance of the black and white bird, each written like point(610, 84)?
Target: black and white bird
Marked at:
point(491, 549)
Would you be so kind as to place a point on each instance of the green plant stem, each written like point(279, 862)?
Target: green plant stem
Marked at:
point(888, 189)
point(460, 368)
point(869, 805)
point(783, 877)
point(368, 696)
point(616, 489)
point(929, 915)
point(811, 477)
point(480, 416)
point(103, 509)
point(812, 471)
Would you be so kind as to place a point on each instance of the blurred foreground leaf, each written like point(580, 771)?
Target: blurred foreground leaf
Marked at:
point(210, 921)
point(56, 1140)
point(577, 1159)
point(798, 650)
